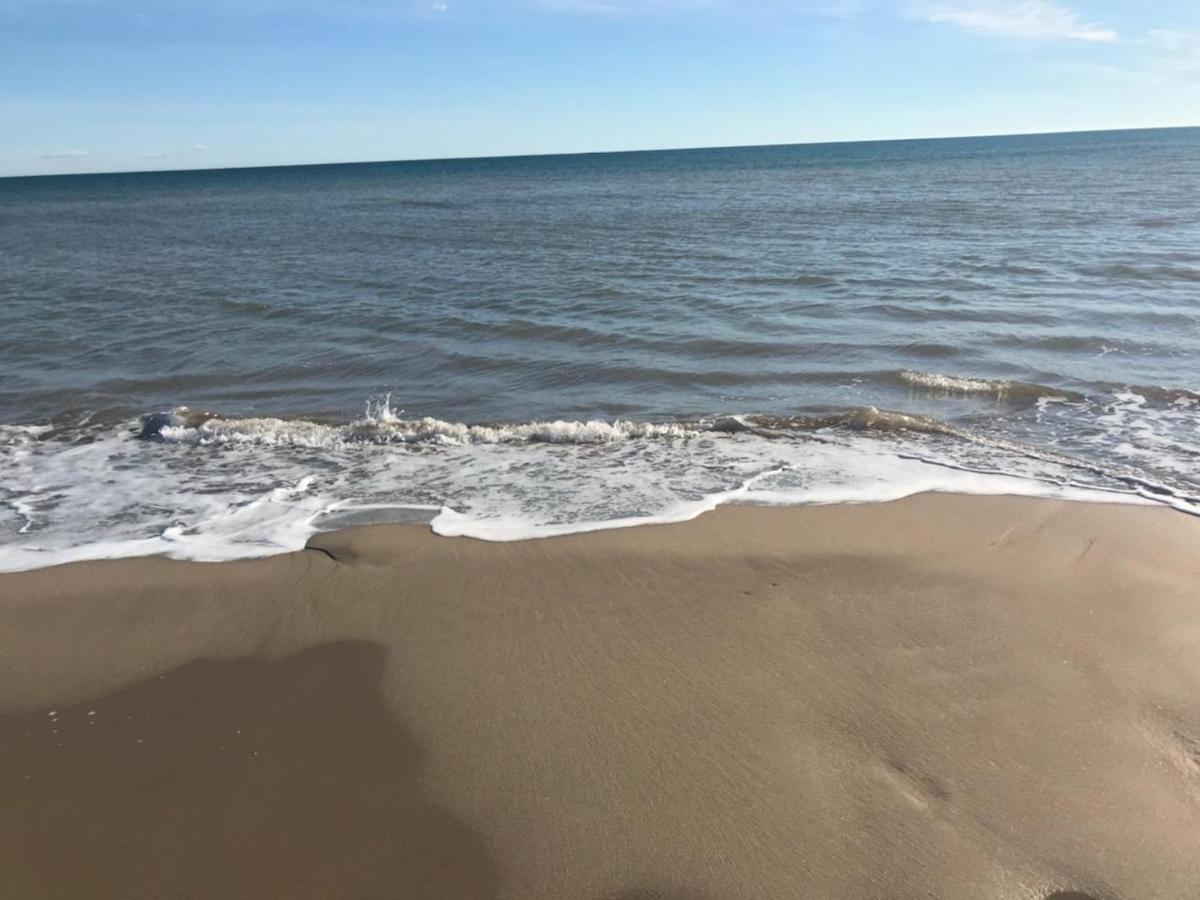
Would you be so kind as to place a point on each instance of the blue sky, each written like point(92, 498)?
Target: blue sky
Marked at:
point(99, 85)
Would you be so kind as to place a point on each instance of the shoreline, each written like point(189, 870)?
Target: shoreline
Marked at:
point(946, 695)
point(445, 521)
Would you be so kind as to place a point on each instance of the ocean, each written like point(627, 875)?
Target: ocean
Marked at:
point(217, 364)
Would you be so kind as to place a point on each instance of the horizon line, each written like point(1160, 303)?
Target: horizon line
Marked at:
point(554, 154)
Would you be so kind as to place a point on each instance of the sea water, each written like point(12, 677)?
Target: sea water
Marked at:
point(216, 364)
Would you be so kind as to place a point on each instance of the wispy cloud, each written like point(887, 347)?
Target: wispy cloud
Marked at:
point(1037, 20)
point(1178, 51)
point(1161, 58)
point(1126, 75)
point(600, 7)
point(819, 8)
point(149, 14)
point(66, 154)
point(166, 154)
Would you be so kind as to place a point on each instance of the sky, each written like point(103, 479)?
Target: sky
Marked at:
point(121, 85)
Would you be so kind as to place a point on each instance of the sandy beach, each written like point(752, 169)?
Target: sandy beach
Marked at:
point(944, 696)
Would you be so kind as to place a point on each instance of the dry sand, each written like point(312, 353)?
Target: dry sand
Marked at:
point(946, 697)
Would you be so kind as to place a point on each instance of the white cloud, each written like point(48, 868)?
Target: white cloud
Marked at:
point(1038, 20)
point(66, 154)
point(203, 148)
point(1175, 50)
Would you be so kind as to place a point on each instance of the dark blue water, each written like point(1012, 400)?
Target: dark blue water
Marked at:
point(1032, 301)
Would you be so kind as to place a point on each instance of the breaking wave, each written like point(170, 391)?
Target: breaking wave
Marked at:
point(198, 484)
point(383, 425)
point(937, 383)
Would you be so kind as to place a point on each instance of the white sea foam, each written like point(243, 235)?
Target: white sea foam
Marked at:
point(229, 488)
point(382, 424)
point(881, 479)
point(15, 433)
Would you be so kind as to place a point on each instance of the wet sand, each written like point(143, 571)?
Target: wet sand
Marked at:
point(946, 696)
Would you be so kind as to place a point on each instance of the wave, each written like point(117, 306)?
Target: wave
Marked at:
point(800, 279)
point(1158, 394)
point(1128, 272)
point(1157, 222)
point(870, 419)
point(270, 483)
point(934, 382)
point(383, 425)
point(16, 433)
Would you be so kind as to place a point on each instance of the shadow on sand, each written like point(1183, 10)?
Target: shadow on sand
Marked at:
point(238, 779)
